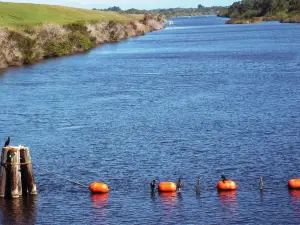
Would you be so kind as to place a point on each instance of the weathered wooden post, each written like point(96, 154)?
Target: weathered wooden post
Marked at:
point(16, 172)
point(13, 173)
point(198, 186)
point(19, 175)
point(3, 172)
point(26, 171)
point(261, 184)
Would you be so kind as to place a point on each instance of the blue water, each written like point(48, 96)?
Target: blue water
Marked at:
point(199, 98)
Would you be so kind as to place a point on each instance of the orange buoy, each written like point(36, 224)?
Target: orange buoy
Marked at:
point(167, 187)
point(98, 187)
point(294, 183)
point(226, 185)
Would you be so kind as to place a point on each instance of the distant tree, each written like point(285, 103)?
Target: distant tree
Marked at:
point(201, 6)
point(294, 5)
point(114, 8)
point(279, 5)
point(94, 9)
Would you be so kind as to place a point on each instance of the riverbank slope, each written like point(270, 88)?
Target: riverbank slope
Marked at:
point(31, 32)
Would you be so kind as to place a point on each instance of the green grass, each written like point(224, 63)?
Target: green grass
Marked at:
point(30, 15)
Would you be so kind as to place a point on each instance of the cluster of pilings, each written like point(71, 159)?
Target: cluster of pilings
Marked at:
point(16, 176)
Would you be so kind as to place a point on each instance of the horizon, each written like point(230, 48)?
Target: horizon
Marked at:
point(128, 4)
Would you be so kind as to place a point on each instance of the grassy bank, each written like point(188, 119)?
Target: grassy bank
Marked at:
point(29, 15)
point(42, 33)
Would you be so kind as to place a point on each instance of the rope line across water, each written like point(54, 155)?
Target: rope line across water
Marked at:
point(62, 177)
point(16, 164)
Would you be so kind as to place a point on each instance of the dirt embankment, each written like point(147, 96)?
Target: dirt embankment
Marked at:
point(19, 47)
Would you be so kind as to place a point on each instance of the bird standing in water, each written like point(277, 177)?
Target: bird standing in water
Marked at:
point(179, 184)
point(7, 142)
point(152, 185)
point(223, 178)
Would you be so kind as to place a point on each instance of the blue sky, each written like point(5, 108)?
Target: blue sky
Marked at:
point(125, 4)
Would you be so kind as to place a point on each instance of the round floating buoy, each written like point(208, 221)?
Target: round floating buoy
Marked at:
point(226, 185)
point(167, 187)
point(294, 183)
point(98, 187)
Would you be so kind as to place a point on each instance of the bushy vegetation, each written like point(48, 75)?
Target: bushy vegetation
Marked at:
point(19, 47)
point(283, 10)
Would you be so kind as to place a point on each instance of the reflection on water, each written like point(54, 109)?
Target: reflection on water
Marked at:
point(166, 196)
point(18, 211)
point(169, 206)
point(227, 197)
point(228, 203)
point(168, 199)
point(153, 196)
point(99, 200)
point(295, 194)
point(100, 207)
point(295, 202)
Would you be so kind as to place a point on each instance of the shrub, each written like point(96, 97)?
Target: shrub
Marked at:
point(140, 28)
point(77, 27)
point(116, 31)
point(50, 32)
point(10, 53)
point(99, 32)
point(53, 49)
point(81, 41)
point(130, 30)
point(250, 14)
point(25, 44)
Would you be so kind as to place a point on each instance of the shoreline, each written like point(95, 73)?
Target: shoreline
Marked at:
point(257, 20)
point(25, 47)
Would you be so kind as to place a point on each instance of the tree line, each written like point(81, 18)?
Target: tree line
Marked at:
point(261, 8)
point(171, 12)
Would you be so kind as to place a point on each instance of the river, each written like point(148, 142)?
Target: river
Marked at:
point(199, 98)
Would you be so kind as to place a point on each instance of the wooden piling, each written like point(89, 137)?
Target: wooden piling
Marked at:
point(16, 175)
point(3, 172)
point(13, 173)
point(261, 184)
point(19, 174)
point(26, 171)
point(198, 187)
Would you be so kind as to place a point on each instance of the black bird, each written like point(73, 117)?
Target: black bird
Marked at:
point(223, 178)
point(152, 185)
point(179, 184)
point(7, 142)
